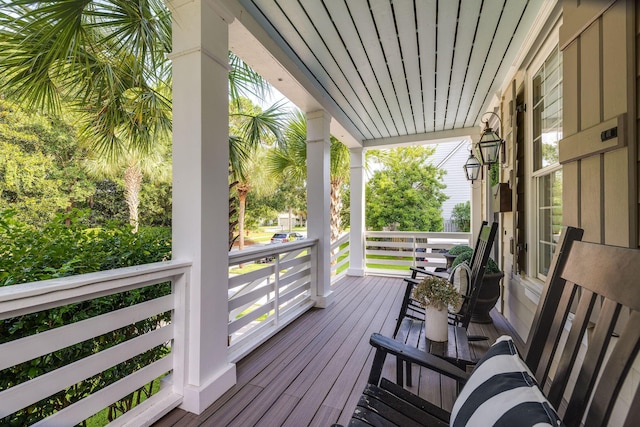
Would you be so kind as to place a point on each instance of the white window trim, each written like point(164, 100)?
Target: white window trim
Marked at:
point(533, 280)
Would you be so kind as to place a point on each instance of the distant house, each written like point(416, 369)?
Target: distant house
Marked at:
point(451, 156)
point(283, 221)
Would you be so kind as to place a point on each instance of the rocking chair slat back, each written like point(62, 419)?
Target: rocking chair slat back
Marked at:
point(587, 326)
point(599, 282)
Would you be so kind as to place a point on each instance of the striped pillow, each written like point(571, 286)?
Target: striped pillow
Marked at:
point(502, 392)
point(460, 277)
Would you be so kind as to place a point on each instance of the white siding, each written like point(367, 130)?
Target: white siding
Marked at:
point(451, 156)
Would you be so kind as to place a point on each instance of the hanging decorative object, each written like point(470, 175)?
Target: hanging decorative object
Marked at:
point(490, 143)
point(472, 167)
point(488, 151)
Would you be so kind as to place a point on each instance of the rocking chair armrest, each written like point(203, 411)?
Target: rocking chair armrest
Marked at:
point(421, 270)
point(385, 345)
point(412, 280)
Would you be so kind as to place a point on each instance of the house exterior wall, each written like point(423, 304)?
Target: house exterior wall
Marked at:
point(600, 180)
point(600, 192)
point(600, 73)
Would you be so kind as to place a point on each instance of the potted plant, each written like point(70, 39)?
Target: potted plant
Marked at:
point(453, 253)
point(435, 294)
point(489, 290)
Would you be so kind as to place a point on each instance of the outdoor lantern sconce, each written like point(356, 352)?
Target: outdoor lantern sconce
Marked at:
point(472, 167)
point(490, 143)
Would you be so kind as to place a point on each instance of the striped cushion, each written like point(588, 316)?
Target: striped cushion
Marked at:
point(502, 392)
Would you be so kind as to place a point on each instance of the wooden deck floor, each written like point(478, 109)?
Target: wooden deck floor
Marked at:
point(313, 372)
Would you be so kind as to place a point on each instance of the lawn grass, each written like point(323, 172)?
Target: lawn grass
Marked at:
point(101, 418)
point(388, 266)
point(246, 268)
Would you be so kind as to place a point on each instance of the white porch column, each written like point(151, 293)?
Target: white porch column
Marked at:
point(200, 193)
point(357, 218)
point(318, 200)
point(477, 215)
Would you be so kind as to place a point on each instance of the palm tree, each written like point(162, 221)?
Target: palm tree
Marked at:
point(250, 129)
point(288, 162)
point(155, 165)
point(107, 60)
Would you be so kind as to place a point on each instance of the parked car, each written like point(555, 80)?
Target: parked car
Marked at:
point(286, 237)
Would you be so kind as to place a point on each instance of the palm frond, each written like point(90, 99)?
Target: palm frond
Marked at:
point(256, 128)
point(243, 81)
point(289, 159)
point(138, 27)
point(239, 157)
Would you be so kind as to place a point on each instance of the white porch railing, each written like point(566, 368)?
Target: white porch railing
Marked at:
point(24, 299)
point(393, 252)
point(263, 301)
point(339, 258)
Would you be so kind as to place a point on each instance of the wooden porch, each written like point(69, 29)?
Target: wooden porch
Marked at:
point(313, 372)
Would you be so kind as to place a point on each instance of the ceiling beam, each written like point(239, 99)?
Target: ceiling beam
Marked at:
point(470, 133)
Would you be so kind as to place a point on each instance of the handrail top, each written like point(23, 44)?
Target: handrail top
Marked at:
point(270, 249)
point(421, 234)
point(31, 289)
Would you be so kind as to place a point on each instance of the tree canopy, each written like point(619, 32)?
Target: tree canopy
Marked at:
point(40, 165)
point(406, 192)
point(107, 62)
point(288, 164)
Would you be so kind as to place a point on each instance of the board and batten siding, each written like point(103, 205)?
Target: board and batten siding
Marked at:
point(598, 43)
point(600, 178)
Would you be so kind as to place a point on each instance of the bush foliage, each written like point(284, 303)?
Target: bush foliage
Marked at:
point(67, 246)
point(492, 266)
point(461, 216)
point(458, 249)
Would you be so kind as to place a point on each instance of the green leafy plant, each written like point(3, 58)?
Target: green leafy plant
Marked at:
point(461, 216)
point(64, 247)
point(459, 249)
point(436, 292)
point(492, 266)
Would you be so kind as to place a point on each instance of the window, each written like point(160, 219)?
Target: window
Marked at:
point(549, 217)
point(547, 112)
point(546, 171)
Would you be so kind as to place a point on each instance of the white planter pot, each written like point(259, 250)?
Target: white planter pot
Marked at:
point(436, 324)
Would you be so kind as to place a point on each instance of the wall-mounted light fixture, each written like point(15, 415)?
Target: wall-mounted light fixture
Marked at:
point(488, 149)
point(490, 143)
point(472, 167)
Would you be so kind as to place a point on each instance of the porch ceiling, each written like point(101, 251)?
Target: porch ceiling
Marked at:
point(397, 71)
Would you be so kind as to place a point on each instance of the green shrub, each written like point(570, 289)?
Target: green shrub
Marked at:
point(64, 247)
point(458, 249)
point(492, 266)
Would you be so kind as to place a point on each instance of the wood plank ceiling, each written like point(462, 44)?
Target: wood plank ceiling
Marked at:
point(401, 67)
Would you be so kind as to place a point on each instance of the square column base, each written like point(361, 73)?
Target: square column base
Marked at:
point(197, 399)
point(324, 301)
point(357, 272)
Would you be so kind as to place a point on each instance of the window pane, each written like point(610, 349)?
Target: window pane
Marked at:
point(549, 218)
point(547, 112)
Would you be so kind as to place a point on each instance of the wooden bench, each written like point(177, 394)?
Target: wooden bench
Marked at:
point(587, 284)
